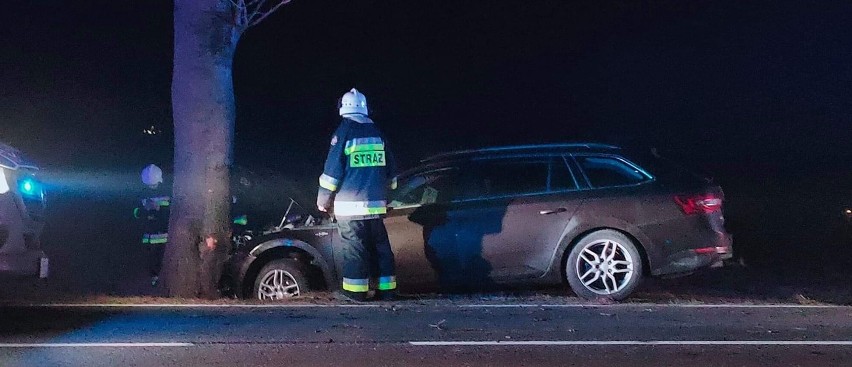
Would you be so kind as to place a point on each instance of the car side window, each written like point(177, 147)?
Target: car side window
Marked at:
point(514, 176)
point(609, 172)
point(561, 177)
point(437, 186)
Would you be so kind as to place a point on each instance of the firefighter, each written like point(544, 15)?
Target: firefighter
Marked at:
point(358, 172)
point(154, 214)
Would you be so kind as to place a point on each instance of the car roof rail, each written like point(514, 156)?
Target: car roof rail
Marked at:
point(519, 148)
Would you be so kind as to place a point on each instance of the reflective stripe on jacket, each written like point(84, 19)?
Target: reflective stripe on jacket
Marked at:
point(160, 200)
point(358, 171)
point(155, 238)
point(154, 219)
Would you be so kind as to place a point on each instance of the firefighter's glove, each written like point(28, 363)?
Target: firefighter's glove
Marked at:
point(324, 201)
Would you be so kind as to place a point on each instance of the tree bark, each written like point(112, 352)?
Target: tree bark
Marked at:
point(205, 39)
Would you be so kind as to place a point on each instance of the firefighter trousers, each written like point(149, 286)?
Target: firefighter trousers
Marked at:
point(366, 252)
point(154, 258)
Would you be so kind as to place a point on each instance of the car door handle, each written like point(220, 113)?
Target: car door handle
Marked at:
point(553, 211)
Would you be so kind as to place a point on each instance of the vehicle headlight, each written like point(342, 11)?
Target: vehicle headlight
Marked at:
point(30, 187)
point(4, 183)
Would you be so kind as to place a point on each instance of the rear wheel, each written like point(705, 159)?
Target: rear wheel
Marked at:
point(281, 279)
point(604, 264)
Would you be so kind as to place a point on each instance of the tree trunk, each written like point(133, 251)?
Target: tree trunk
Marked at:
point(203, 110)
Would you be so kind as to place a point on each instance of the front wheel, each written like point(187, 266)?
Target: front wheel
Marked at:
point(280, 279)
point(604, 264)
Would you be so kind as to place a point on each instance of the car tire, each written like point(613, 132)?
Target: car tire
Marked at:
point(280, 279)
point(604, 265)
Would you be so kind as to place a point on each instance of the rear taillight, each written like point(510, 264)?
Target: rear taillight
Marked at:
point(695, 204)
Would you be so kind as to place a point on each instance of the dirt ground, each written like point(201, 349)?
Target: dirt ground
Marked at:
point(734, 285)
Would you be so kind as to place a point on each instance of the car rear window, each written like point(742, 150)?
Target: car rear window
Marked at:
point(609, 171)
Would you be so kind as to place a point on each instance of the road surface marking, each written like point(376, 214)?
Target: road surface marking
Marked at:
point(180, 305)
point(94, 345)
point(633, 342)
point(404, 304)
point(673, 305)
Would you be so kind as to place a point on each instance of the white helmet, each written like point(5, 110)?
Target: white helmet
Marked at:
point(152, 175)
point(353, 102)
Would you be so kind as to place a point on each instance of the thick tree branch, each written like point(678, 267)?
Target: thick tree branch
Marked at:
point(240, 14)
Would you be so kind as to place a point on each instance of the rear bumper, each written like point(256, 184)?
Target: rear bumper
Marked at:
point(690, 260)
point(28, 264)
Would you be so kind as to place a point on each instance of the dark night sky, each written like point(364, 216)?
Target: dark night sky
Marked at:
point(721, 82)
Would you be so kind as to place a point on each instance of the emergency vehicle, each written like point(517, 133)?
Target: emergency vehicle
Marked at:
point(22, 207)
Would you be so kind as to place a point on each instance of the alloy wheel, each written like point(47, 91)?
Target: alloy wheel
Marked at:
point(276, 285)
point(605, 267)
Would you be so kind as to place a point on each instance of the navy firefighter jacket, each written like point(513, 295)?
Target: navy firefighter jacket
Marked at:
point(358, 171)
point(154, 214)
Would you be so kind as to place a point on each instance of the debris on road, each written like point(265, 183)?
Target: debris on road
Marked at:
point(438, 325)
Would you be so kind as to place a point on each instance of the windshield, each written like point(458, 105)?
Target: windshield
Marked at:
point(424, 188)
point(12, 158)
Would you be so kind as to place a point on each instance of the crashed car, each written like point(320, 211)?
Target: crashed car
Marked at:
point(22, 207)
point(587, 215)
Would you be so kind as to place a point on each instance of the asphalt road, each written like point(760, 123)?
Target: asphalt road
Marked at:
point(412, 333)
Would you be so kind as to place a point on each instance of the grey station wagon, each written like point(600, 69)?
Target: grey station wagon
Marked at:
point(589, 215)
